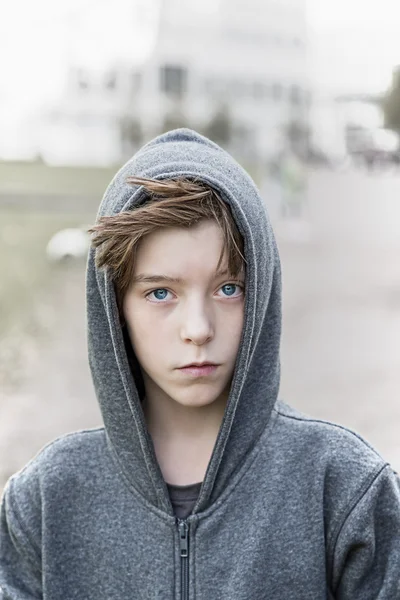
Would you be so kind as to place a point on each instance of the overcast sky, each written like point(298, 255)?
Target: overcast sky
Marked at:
point(39, 39)
point(354, 43)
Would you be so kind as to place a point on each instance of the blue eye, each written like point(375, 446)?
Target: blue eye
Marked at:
point(229, 289)
point(160, 294)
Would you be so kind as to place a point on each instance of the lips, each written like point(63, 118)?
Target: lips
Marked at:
point(199, 369)
point(200, 364)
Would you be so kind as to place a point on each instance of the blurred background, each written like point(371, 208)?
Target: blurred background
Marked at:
point(304, 93)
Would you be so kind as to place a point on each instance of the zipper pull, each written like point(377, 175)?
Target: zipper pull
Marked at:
point(183, 528)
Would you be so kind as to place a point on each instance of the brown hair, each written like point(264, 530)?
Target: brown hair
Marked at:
point(171, 203)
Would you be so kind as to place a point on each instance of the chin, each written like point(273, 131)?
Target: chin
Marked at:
point(196, 403)
point(196, 399)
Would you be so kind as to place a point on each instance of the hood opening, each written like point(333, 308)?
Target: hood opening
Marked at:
point(115, 369)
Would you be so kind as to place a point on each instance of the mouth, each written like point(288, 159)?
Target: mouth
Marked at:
point(200, 364)
point(199, 369)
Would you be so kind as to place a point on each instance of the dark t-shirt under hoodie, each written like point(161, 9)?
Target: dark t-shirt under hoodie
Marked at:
point(290, 508)
point(183, 498)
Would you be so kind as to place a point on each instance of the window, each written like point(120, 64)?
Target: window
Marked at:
point(110, 80)
point(295, 95)
point(277, 92)
point(82, 80)
point(216, 88)
point(298, 43)
point(277, 39)
point(209, 86)
point(136, 81)
point(259, 90)
point(238, 88)
point(173, 80)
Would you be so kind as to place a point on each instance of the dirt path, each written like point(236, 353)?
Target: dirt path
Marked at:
point(341, 342)
point(56, 395)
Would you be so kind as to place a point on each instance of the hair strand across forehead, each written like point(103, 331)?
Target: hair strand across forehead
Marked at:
point(170, 203)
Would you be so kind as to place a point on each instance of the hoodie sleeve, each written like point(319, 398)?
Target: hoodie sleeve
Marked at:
point(20, 565)
point(367, 551)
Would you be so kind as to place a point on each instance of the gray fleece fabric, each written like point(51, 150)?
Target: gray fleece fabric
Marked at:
point(291, 508)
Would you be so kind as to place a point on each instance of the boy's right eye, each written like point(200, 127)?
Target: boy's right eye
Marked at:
point(158, 295)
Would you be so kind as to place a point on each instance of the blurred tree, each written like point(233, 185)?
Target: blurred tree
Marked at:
point(391, 103)
point(131, 134)
point(173, 120)
point(220, 127)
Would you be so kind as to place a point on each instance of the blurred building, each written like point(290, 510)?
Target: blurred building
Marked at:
point(234, 69)
point(345, 124)
point(84, 127)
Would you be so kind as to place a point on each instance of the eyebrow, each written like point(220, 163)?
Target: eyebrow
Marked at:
point(144, 278)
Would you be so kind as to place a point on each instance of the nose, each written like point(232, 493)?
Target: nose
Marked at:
point(197, 324)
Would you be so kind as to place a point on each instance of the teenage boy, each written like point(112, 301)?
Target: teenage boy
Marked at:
point(201, 485)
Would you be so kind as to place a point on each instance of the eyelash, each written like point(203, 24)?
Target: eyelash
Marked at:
point(237, 284)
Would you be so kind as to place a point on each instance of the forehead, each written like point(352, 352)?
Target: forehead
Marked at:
point(181, 248)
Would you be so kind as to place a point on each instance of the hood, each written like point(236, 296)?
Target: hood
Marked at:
point(255, 384)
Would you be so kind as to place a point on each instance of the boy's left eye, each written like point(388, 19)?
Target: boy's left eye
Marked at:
point(232, 290)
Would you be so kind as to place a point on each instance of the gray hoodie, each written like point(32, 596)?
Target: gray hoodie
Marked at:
point(291, 508)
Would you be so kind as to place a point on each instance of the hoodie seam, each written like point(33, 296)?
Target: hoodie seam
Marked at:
point(194, 565)
point(56, 441)
point(136, 494)
point(352, 506)
point(334, 425)
point(365, 485)
point(240, 473)
point(24, 531)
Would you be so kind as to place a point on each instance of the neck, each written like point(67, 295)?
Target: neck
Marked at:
point(183, 436)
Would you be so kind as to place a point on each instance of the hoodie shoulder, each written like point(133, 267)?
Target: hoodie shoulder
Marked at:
point(332, 461)
point(331, 441)
point(66, 448)
point(340, 458)
point(69, 457)
point(61, 466)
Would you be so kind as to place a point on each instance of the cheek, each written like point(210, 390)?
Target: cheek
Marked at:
point(237, 329)
point(232, 320)
point(230, 330)
point(149, 339)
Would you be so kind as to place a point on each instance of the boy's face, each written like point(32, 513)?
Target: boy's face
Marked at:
point(197, 318)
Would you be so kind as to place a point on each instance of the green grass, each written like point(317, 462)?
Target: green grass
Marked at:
point(25, 231)
point(36, 178)
point(24, 268)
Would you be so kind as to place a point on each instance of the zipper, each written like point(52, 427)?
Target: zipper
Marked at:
point(183, 529)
